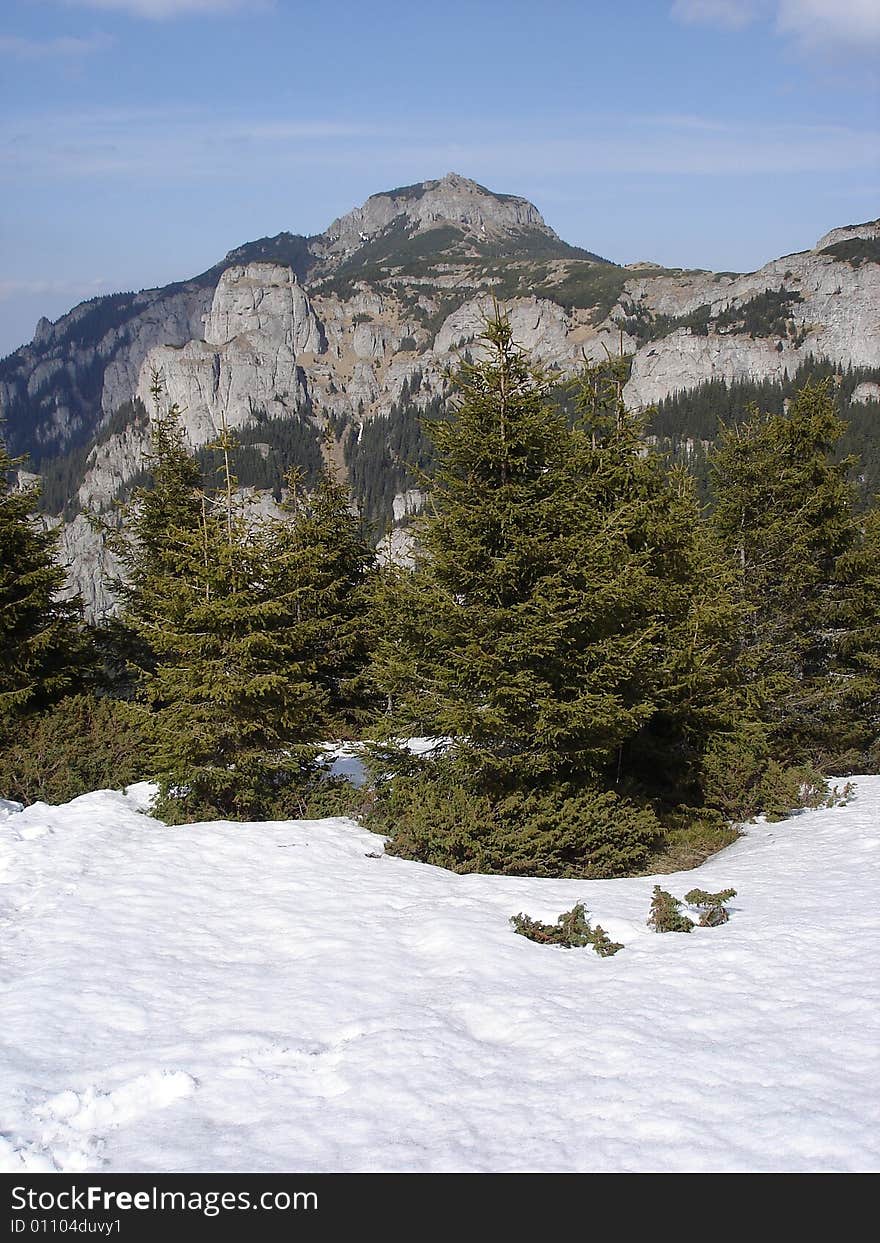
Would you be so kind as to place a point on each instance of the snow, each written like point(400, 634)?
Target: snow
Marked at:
point(270, 997)
point(347, 759)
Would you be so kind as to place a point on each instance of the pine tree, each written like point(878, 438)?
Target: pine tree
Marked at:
point(521, 633)
point(566, 600)
point(564, 620)
point(321, 554)
point(784, 510)
point(690, 615)
point(232, 680)
point(41, 641)
point(857, 670)
point(160, 524)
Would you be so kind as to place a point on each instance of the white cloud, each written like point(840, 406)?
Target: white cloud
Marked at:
point(158, 10)
point(816, 26)
point(64, 47)
point(829, 25)
point(728, 14)
point(199, 146)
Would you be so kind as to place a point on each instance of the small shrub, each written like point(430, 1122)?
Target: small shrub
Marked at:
point(666, 914)
point(267, 788)
point(589, 833)
point(602, 943)
point(713, 910)
point(742, 782)
point(336, 796)
point(841, 795)
point(84, 743)
point(571, 930)
point(732, 769)
point(783, 790)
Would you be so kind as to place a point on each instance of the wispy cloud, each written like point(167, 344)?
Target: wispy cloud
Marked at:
point(162, 10)
point(824, 27)
point(65, 47)
point(198, 146)
point(827, 25)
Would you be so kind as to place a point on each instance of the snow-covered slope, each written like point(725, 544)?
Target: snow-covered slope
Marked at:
point(273, 997)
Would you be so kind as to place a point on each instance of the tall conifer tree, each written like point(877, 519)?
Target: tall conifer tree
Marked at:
point(784, 510)
point(544, 628)
point(322, 556)
point(857, 670)
point(236, 702)
point(40, 636)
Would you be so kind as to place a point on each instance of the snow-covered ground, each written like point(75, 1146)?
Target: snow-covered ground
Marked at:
point(273, 998)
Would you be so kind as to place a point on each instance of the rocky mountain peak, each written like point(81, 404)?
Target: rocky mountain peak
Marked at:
point(452, 199)
point(869, 230)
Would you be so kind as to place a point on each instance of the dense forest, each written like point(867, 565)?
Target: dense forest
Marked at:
point(615, 672)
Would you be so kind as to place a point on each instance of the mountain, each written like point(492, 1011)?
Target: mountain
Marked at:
point(332, 345)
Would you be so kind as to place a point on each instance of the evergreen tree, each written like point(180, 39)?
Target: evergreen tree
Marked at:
point(560, 571)
point(564, 620)
point(688, 608)
point(232, 684)
point(41, 641)
point(322, 557)
point(160, 524)
point(858, 667)
point(784, 510)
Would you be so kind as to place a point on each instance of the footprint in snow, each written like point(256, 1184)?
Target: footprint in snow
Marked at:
point(72, 1124)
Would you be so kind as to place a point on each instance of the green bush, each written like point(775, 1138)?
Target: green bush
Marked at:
point(732, 769)
point(783, 790)
point(285, 791)
point(572, 929)
point(712, 908)
point(590, 833)
point(666, 913)
point(741, 781)
point(84, 743)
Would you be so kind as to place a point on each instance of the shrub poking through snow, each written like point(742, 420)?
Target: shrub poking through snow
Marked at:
point(602, 943)
point(666, 914)
point(712, 909)
point(571, 930)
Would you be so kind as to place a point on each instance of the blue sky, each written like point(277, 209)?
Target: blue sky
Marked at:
point(142, 139)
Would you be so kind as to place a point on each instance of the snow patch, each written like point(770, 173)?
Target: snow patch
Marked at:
point(268, 997)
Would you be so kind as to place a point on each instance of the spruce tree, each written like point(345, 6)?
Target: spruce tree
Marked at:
point(857, 670)
point(562, 625)
point(159, 525)
point(564, 594)
point(521, 633)
point(689, 611)
point(784, 511)
point(232, 679)
point(41, 641)
point(322, 556)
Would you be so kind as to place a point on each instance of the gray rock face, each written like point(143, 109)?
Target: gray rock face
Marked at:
point(168, 321)
point(839, 316)
point(871, 228)
point(867, 391)
point(248, 340)
point(90, 566)
point(72, 377)
point(260, 323)
point(684, 360)
point(452, 199)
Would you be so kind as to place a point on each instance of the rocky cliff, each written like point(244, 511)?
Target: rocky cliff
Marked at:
point(358, 327)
